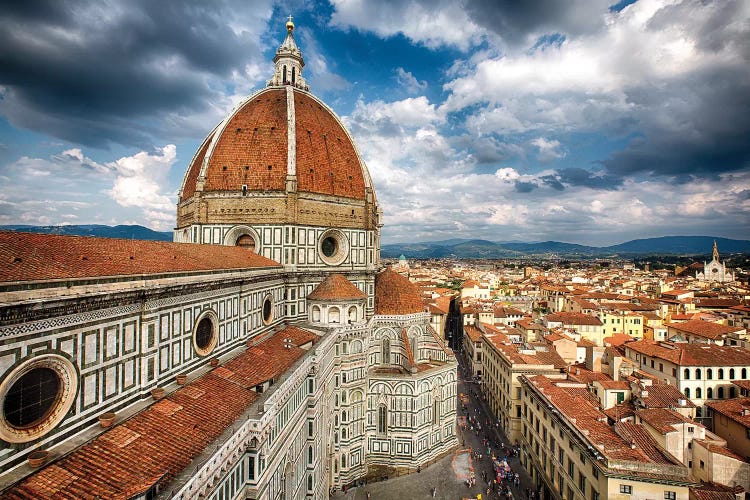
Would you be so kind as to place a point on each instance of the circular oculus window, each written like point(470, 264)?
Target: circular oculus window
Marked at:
point(333, 247)
point(267, 310)
point(36, 396)
point(205, 334)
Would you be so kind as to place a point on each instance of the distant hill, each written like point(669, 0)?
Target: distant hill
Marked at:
point(128, 232)
point(482, 249)
point(683, 245)
point(459, 247)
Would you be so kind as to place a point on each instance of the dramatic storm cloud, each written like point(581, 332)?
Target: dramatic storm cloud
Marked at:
point(584, 121)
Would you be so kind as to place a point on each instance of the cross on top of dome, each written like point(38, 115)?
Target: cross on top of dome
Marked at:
point(288, 62)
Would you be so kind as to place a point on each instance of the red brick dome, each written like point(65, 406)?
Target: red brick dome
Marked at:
point(395, 294)
point(277, 133)
point(336, 287)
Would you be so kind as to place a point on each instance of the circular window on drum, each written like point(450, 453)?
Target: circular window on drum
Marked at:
point(333, 247)
point(268, 310)
point(35, 397)
point(205, 335)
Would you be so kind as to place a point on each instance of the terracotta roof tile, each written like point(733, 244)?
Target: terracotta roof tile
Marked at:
point(733, 409)
point(396, 295)
point(473, 332)
point(705, 329)
point(32, 257)
point(162, 440)
point(665, 396)
point(251, 150)
point(336, 287)
point(688, 354)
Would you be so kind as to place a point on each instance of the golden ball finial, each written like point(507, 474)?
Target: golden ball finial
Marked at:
point(289, 24)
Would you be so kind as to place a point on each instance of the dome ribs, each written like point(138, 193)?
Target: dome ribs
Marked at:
point(324, 147)
point(251, 149)
point(254, 139)
point(195, 168)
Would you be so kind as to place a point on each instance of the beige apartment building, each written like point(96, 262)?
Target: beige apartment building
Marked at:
point(572, 452)
point(503, 363)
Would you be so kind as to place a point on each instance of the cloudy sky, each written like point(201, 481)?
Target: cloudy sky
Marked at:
point(581, 121)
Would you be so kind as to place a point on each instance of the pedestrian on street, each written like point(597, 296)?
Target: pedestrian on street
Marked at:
point(434, 491)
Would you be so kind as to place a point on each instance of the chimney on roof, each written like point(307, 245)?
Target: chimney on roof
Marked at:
point(682, 402)
point(745, 411)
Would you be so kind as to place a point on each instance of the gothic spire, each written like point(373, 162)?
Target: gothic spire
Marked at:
point(716, 252)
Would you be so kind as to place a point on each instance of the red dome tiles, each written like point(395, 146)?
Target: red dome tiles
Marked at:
point(251, 147)
point(336, 287)
point(395, 294)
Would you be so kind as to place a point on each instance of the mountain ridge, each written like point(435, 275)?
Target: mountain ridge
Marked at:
point(476, 248)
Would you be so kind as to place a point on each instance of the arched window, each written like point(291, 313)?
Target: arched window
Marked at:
point(309, 482)
point(382, 419)
point(316, 314)
point(435, 412)
point(698, 393)
point(687, 392)
point(284, 77)
point(309, 455)
point(721, 373)
point(697, 374)
point(744, 373)
point(709, 393)
point(720, 393)
point(343, 399)
point(352, 314)
point(687, 374)
point(343, 461)
point(731, 374)
point(386, 351)
point(732, 392)
point(343, 433)
point(294, 74)
point(709, 374)
point(334, 315)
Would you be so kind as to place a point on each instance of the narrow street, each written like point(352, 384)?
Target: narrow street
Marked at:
point(448, 475)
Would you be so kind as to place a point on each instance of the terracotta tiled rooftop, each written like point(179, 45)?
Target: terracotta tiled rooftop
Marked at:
point(639, 437)
point(473, 333)
point(665, 396)
point(732, 408)
point(705, 329)
point(663, 419)
point(713, 491)
point(685, 354)
point(588, 418)
point(31, 257)
point(721, 450)
point(396, 295)
point(336, 287)
point(162, 440)
point(251, 149)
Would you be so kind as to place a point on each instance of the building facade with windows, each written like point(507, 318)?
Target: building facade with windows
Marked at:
point(573, 453)
point(262, 355)
point(702, 372)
